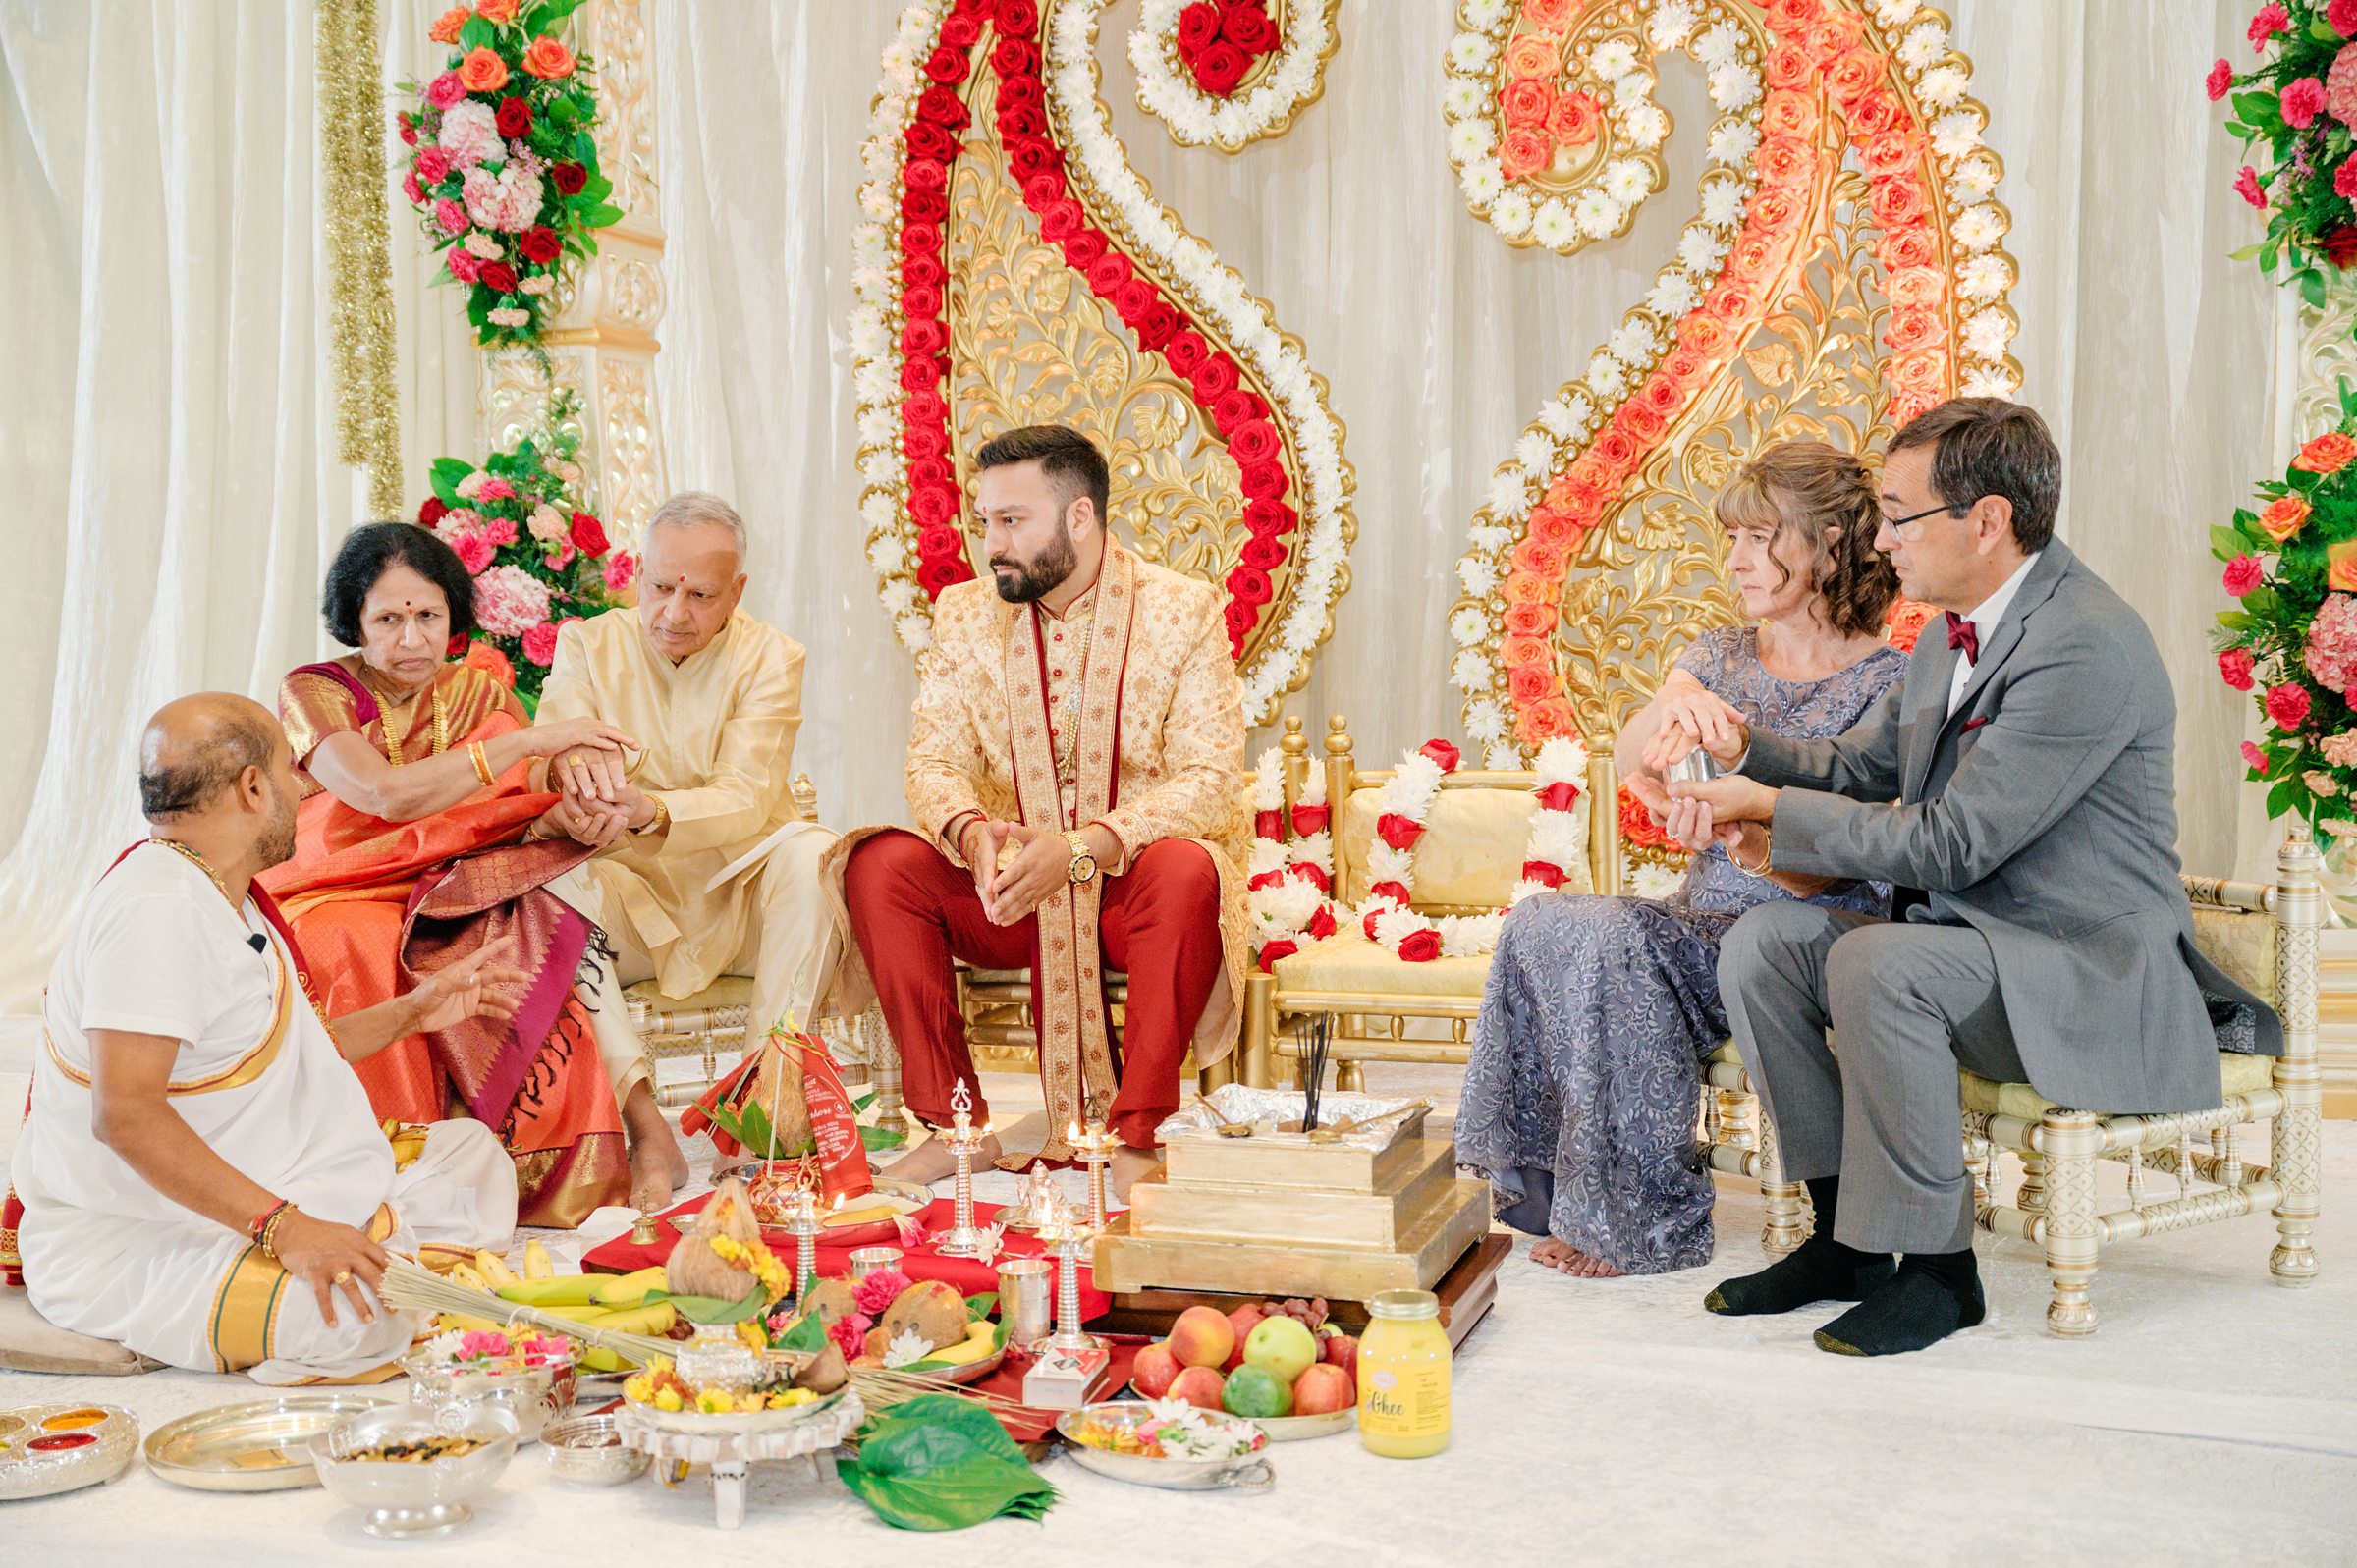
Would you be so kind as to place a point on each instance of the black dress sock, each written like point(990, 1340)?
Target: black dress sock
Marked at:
point(1820, 1269)
point(1932, 1295)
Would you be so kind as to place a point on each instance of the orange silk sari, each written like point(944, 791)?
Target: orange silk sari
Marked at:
point(377, 906)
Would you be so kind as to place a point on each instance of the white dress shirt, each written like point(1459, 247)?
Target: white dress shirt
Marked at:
point(1984, 621)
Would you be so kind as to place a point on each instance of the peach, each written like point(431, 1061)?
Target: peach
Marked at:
point(1324, 1387)
point(1200, 1386)
point(1201, 1337)
point(1155, 1370)
point(1244, 1321)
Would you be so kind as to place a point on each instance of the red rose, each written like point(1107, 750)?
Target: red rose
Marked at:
point(1023, 91)
point(1283, 947)
point(2341, 244)
point(1241, 618)
point(922, 299)
point(1234, 408)
point(1263, 552)
point(1269, 825)
point(1022, 121)
point(1018, 17)
point(1441, 754)
point(1084, 250)
point(1396, 891)
point(1270, 518)
point(1267, 878)
point(1220, 68)
point(1030, 157)
point(949, 65)
point(926, 406)
point(2288, 705)
point(931, 473)
point(1398, 831)
point(925, 139)
point(963, 30)
point(514, 117)
point(933, 505)
point(1158, 325)
point(2235, 668)
point(923, 439)
point(1214, 378)
point(1254, 441)
point(1311, 819)
point(1014, 57)
point(431, 510)
point(498, 276)
point(929, 174)
point(1250, 585)
point(1264, 481)
point(924, 206)
point(1544, 872)
point(1420, 946)
point(942, 107)
point(1303, 871)
point(919, 238)
point(1187, 351)
point(1108, 272)
point(1198, 27)
point(1248, 28)
point(589, 535)
point(1062, 219)
point(935, 575)
point(1043, 190)
point(1321, 925)
point(1561, 795)
point(924, 338)
point(1132, 300)
point(1368, 924)
point(569, 178)
point(541, 243)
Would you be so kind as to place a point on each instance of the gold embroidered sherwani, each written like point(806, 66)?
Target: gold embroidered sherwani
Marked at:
point(1159, 732)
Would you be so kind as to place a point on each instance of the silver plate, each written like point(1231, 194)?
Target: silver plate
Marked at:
point(1245, 1471)
point(28, 1472)
point(254, 1445)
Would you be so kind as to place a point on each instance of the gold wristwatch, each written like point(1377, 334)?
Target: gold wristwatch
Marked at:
point(1084, 861)
point(657, 822)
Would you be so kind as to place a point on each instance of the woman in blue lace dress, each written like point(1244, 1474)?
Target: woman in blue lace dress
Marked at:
point(1580, 1103)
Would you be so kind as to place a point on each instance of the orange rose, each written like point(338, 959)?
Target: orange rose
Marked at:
point(1529, 684)
point(1556, 528)
point(1683, 364)
point(482, 71)
point(1619, 449)
point(1793, 15)
point(499, 11)
point(2341, 559)
point(548, 60)
point(1853, 75)
point(1837, 34)
point(1703, 333)
point(1783, 161)
point(1523, 653)
point(1524, 151)
point(446, 25)
point(2285, 516)
point(1753, 254)
point(1789, 66)
point(1547, 15)
point(2329, 453)
point(1574, 119)
point(1915, 287)
point(1731, 302)
point(1896, 200)
point(1644, 425)
point(1877, 112)
point(1527, 588)
point(1772, 211)
point(1889, 152)
point(1553, 718)
point(1908, 246)
point(1925, 370)
point(1911, 330)
point(1909, 407)
point(1530, 619)
point(1526, 102)
point(1581, 504)
point(1540, 558)
point(1533, 55)
point(1664, 396)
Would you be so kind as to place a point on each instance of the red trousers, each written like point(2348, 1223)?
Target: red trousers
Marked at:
point(912, 912)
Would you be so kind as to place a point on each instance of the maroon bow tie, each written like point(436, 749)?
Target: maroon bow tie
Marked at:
point(1962, 633)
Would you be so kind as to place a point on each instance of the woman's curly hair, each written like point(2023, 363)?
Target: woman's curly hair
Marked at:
point(1825, 498)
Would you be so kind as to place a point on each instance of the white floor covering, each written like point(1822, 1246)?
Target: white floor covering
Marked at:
point(2212, 1418)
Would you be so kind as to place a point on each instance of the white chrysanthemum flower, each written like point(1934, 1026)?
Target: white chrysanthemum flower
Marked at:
point(1987, 333)
point(1984, 277)
point(916, 631)
point(1673, 23)
point(1469, 626)
point(1554, 226)
point(1510, 494)
point(1606, 377)
point(1472, 671)
point(1722, 203)
point(1566, 415)
point(1501, 757)
point(1484, 722)
point(1924, 46)
point(1483, 14)
point(1699, 250)
point(1942, 86)
point(1613, 59)
point(1470, 139)
point(1627, 181)
point(869, 337)
point(1535, 452)
point(1598, 215)
point(1718, 46)
point(1466, 99)
point(1734, 86)
point(889, 556)
point(1632, 342)
point(1482, 182)
point(1490, 538)
point(1647, 125)
point(867, 246)
point(1469, 936)
point(1956, 133)
point(878, 511)
point(1979, 228)
point(1470, 55)
point(1991, 381)
point(1478, 576)
point(1974, 180)
point(1631, 89)
point(1672, 294)
point(898, 597)
point(879, 425)
point(1656, 881)
point(1733, 141)
point(1510, 214)
point(1562, 760)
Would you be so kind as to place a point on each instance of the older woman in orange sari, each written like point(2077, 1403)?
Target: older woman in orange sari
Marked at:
point(425, 833)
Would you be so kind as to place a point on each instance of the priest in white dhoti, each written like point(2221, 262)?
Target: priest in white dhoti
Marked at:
point(201, 1177)
point(715, 872)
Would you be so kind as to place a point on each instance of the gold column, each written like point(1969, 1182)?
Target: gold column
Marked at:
point(601, 340)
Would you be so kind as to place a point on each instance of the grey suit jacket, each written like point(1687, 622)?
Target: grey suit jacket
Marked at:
point(2043, 814)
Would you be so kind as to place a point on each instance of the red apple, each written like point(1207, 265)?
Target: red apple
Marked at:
point(1324, 1387)
point(1244, 1321)
point(1340, 1350)
point(1200, 1386)
point(1203, 1337)
point(1155, 1370)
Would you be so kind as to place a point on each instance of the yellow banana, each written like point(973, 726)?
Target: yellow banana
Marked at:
point(598, 1358)
point(464, 1324)
point(628, 1290)
point(557, 1290)
point(976, 1345)
point(465, 1276)
point(536, 1262)
point(494, 1268)
point(653, 1322)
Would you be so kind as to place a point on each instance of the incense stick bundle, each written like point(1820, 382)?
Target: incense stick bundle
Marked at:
point(1313, 1068)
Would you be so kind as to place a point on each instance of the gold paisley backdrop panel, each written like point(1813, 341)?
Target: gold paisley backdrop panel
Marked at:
point(2140, 339)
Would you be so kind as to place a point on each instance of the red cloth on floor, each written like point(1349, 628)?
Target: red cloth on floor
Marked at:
point(912, 912)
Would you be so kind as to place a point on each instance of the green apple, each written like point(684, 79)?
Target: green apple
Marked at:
point(1280, 1347)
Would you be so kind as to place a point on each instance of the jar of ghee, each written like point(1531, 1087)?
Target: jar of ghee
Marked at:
point(1403, 1362)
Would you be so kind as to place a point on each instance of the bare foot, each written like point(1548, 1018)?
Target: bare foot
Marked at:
point(1129, 1164)
point(1564, 1258)
point(657, 1166)
point(929, 1161)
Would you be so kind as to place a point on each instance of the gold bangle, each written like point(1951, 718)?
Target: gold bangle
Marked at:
point(660, 820)
point(482, 765)
point(1767, 853)
point(267, 1241)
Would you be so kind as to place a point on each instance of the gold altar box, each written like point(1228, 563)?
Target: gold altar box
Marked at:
point(1265, 1162)
point(1409, 1175)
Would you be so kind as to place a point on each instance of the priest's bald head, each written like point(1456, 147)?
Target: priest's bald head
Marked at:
point(216, 773)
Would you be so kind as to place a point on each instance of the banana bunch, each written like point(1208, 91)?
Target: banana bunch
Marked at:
point(597, 1301)
point(407, 1140)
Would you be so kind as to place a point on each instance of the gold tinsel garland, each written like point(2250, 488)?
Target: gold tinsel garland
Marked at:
point(359, 262)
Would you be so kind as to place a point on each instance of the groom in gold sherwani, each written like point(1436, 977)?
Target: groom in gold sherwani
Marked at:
point(1075, 770)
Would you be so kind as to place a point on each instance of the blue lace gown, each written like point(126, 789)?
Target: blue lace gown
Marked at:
point(1581, 1098)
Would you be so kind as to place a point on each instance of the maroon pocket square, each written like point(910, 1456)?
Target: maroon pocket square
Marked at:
point(1972, 724)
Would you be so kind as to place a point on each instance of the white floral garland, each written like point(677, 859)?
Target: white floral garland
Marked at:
point(1099, 165)
point(875, 339)
point(1566, 424)
point(1295, 77)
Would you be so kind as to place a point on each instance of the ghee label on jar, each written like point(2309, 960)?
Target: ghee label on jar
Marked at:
point(1406, 1402)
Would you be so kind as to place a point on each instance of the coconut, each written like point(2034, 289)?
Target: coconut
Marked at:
point(931, 1309)
point(695, 1268)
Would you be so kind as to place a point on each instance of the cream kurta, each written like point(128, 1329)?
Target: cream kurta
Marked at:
point(157, 951)
point(1179, 769)
point(718, 730)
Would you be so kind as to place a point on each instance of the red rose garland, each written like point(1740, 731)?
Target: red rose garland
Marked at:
point(1220, 44)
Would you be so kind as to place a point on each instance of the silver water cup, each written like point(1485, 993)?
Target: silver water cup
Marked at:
point(1026, 1299)
point(867, 1261)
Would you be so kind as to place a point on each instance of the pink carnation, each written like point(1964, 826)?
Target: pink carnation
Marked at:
point(2270, 20)
point(560, 556)
point(411, 188)
point(2330, 655)
point(454, 220)
point(444, 90)
point(876, 1292)
point(2235, 668)
point(620, 568)
point(500, 530)
point(2342, 17)
point(850, 1335)
point(2340, 86)
point(2253, 759)
point(433, 163)
point(509, 601)
point(2287, 704)
point(2220, 79)
point(2344, 178)
point(541, 644)
point(474, 553)
point(2247, 187)
point(2243, 573)
point(464, 265)
point(2302, 103)
point(496, 490)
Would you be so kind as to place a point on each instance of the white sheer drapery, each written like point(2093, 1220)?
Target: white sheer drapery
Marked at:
point(166, 429)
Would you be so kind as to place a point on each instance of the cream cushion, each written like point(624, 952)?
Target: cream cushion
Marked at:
point(30, 1343)
point(1348, 961)
point(1471, 851)
point(2239, 1072)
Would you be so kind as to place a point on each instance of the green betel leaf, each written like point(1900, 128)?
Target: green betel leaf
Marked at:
point(806, 1335)
point(982, 1306)
point(713, 1309)
point(2234, 621)
point(939, 1462)
point(882, 1138)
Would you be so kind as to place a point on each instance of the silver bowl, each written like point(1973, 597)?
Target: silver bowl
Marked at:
point(1251, 1472)
point(407, 1501)
point(533, 1396)
point(589, 1449)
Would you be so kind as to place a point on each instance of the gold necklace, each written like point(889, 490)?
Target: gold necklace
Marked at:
point(197, 860)
point(1068, 756)
point(437, 742)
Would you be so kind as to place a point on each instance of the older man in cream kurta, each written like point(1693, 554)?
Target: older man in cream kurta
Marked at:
point(715, 872)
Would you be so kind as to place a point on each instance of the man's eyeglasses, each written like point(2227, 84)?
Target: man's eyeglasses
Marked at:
point(1901, 524)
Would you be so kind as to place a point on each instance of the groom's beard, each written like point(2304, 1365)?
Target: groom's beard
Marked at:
point(1020, 582)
